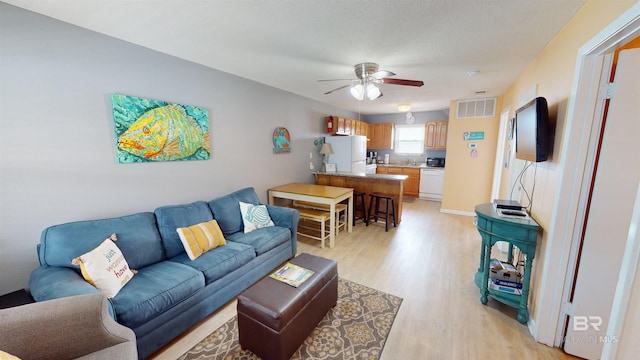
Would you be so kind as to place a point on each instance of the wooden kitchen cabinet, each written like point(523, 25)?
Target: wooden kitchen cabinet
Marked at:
point(411, 184)
point(387, 136)
point(435, 135)
point(373, 139)
point(382, 136)
point(338, 125)
point(356, 127)
point(345, 126)
point(361, 128)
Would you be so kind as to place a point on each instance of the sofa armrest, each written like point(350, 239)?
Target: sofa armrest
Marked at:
point(72, 327)
point(289, 218)
point(51, 282)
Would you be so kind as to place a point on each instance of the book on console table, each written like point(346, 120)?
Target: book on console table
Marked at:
point(512, 284)
point(506, 289)
point(292, 274)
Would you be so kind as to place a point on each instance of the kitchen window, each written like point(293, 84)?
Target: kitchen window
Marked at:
point(409, 139)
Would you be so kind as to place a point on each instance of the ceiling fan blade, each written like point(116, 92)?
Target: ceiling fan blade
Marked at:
point(381, 74)
point(335, 80)
point(403, 82)
point(336, 89)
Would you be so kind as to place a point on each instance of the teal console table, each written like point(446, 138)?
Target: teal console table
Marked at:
point(522, 233)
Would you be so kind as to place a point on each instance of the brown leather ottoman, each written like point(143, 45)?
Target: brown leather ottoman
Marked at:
point(275, 318)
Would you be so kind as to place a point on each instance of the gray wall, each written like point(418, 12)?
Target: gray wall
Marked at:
point(57, 141)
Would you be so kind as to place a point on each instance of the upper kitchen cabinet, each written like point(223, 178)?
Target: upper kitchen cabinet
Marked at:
point(348, 126)
point(337, 125)
point(435, 135)
point(361, 128)
point(381, 136)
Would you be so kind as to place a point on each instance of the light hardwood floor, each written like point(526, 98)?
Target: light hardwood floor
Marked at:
point(429, 261)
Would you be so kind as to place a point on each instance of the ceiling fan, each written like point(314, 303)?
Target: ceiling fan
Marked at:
point(368, 75)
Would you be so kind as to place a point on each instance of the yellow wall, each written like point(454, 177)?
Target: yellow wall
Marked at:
point(467, 179)
point(552, 71)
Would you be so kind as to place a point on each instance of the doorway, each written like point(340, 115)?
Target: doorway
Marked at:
point(601, 242)
point(583, 115)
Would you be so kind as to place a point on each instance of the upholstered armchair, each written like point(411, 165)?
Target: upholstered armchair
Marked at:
point(66, 328)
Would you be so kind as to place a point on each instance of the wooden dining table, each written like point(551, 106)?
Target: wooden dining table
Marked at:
point(321, 194)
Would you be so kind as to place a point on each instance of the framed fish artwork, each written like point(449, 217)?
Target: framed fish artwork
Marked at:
point(152, 130)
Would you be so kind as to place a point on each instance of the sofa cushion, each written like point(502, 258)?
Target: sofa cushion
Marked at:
point(219, 262)
point(138, 239)
point(262, 240)
point(154, 290)
point(226, 209)
point(172, 217)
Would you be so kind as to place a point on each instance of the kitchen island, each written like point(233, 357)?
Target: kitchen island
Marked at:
point(368, 183)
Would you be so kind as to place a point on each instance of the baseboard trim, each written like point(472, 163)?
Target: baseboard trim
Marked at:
point(457, 212)
point(533, 328)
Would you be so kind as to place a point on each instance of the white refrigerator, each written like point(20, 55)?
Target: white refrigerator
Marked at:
point(349, 153)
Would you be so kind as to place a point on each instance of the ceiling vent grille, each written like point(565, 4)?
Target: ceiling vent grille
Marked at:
point(476, 108)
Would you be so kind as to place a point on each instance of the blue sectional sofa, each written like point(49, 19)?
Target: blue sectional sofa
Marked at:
point(170, 293)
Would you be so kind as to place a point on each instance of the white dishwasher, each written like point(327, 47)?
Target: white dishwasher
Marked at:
point(431, 183)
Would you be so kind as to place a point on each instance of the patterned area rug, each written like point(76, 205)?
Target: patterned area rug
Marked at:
point(356, 328)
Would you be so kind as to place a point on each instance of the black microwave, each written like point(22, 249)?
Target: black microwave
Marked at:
point(435, 162)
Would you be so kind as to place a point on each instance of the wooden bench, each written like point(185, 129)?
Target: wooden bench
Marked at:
point(340, 208)
point(319, 216)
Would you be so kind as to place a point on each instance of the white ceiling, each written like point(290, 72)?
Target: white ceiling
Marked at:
point(290, 44)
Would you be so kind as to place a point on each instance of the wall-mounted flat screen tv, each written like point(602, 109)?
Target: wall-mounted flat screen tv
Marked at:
point(532, 130)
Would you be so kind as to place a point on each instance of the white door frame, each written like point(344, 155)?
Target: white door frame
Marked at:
point(581, 115)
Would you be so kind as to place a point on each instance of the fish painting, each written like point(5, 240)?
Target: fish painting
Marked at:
point(162, 132)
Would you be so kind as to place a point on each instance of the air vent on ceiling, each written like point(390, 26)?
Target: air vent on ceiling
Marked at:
point(476, 108)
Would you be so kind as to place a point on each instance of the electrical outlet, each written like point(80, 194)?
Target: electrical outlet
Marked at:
point(310, 156)
point(311, 167)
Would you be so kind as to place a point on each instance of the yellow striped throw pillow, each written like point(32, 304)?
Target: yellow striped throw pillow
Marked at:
point(200, 238)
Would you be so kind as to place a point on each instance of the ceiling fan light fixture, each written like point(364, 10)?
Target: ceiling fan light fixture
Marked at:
point(368, 77)
point(373, 92)
point(357, 92)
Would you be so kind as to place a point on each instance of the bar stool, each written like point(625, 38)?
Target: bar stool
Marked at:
point(377, 196)
point(359, 205)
